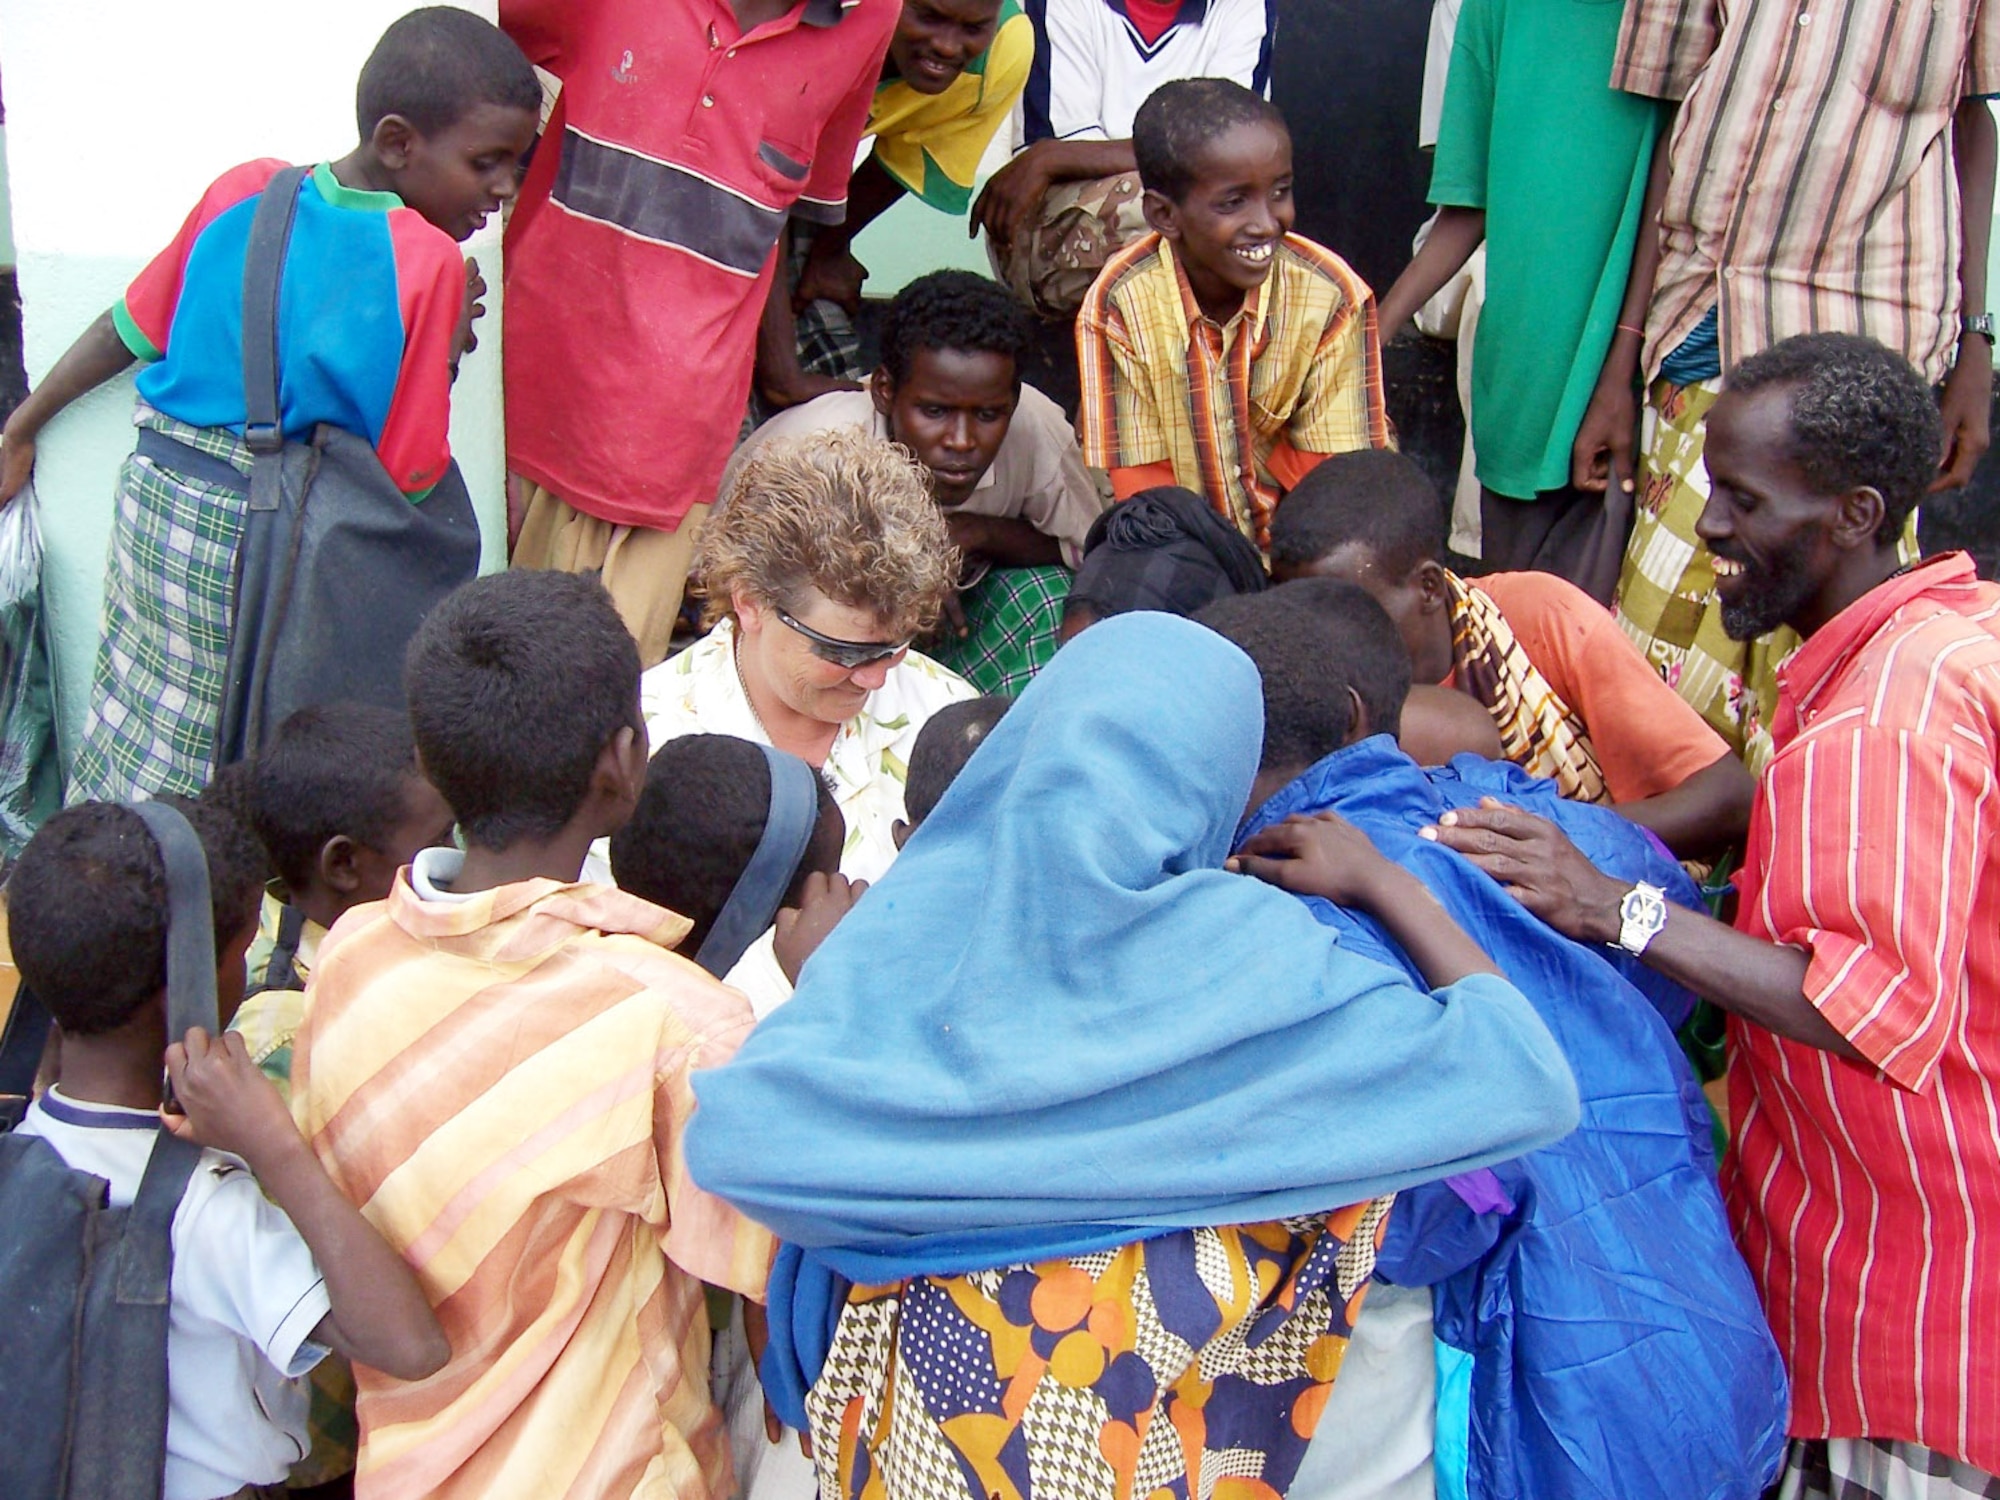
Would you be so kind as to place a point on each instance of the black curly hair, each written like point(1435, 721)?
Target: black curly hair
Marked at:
point(87, 906)
point(1179, 120)
point(1374, 496)
point(1861, 416)
point(956, 310)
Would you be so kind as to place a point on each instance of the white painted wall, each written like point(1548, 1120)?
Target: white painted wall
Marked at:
point(119, 114)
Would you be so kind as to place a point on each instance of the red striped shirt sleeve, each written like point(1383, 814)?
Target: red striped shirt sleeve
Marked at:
point(1876, 883)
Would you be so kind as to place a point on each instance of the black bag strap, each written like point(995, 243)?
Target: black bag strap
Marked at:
point(263, 279)
point(190, 921)
point(21, 1047)
point(753, 900)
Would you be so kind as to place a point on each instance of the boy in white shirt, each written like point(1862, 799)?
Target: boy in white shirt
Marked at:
point(262, 1287)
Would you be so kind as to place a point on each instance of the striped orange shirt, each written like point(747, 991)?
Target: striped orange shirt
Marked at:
point(501, 1082)
point(1301, 361)
point(1812, 185)
point(1867, 1200)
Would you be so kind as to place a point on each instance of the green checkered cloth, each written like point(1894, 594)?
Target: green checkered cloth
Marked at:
point(1012, 615)
point(169, 594)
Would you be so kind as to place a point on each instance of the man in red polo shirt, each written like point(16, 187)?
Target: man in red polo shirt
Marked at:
point(640, 254)
point(1863, 973)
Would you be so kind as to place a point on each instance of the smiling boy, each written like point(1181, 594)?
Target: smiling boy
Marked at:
point(1004, 466)
point(1223, 352)
point(378, 308)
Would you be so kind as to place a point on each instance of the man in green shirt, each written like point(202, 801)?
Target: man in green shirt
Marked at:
point(1539, 158)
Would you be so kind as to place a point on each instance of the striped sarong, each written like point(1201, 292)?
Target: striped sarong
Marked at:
point(1666, 592)
point(163, 650)
point(1012, 615)
point(1877, 1469)
point(1538, 732)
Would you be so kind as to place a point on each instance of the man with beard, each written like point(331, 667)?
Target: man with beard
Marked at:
point(1863, 971)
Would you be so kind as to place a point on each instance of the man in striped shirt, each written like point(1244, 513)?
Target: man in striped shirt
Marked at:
point(1863, 974)
point(1830, 167)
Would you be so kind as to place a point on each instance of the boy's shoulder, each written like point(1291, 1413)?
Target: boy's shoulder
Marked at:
point(570, 956)
point(1141, 269)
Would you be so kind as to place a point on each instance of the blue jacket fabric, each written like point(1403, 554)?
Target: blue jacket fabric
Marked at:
point(1618, 1348)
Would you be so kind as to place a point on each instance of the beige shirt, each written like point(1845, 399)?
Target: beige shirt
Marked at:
point(1812, 185)
point(1038, 476)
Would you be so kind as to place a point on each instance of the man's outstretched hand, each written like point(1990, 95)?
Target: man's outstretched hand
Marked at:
point(1538, 865)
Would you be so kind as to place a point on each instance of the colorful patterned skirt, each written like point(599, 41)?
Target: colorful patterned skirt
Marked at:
point(1191, 1365)
point(162, 652)
point(1013, 616)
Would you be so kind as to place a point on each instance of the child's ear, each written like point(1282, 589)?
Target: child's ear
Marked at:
point(1162, 213)
point(1430, 584)
point(882, 391)
point(1358, 725)
point(392, 141)
point(338, 868)
point(623, 764)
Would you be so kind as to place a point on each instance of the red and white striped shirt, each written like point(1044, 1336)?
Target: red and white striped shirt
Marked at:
point(1867, 1200)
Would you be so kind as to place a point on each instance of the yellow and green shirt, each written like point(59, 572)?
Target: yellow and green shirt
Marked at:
point(932, 143)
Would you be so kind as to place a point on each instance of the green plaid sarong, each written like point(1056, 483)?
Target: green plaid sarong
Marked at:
point(1013, 615)
point(169, 596)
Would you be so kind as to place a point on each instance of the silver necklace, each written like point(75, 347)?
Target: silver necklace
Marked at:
point(736, 661)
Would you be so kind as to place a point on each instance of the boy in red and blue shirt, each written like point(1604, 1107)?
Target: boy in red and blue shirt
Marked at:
point(376, 309)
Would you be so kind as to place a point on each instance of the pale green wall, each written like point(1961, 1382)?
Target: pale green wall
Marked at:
point(6, 218)
point(912, 238)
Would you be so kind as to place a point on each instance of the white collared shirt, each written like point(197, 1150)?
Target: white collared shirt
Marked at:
point(245, 1297)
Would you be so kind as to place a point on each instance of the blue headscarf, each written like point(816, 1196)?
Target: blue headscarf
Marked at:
point(1058, 1024)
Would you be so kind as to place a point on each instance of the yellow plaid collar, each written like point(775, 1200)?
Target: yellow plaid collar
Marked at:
point(1254, 302)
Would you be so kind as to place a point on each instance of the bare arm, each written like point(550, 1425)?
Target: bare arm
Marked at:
point(379, 1315)
point(1967, 402)
point(1014, 193)
point(1606, 439)
point(1457, 233)
point(1762, 982)
point(1006, 541)
point(780, 378)
point(1325, 855)
point(96, 356)
point(1705, 813)
point(831, 271)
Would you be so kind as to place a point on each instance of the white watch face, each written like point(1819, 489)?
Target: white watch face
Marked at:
point(1643, 913)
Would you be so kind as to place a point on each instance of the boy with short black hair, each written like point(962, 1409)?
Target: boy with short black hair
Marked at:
point(1223, 316)
point(378, 308)
point(705, 812)
point(943, 746)
point(340, 804)
point(555, 1033)
point(1572, 699)
point(261, 1289)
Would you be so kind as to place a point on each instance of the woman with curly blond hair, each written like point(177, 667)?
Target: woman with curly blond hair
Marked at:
point(828, 558)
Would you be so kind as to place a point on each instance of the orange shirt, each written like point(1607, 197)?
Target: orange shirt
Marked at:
point(500, 1081)
point(1647, 739)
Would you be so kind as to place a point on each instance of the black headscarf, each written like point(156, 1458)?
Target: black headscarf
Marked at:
point(1164, 549)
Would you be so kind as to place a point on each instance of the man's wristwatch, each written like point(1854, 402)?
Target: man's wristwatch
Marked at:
point(1981, 324)
point(1641, 915)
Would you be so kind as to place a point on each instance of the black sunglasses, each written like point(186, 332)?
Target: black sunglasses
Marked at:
point(848, 655)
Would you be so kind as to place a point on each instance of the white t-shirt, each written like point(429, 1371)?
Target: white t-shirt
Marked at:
point(245, 1295)
point(1100, 69)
